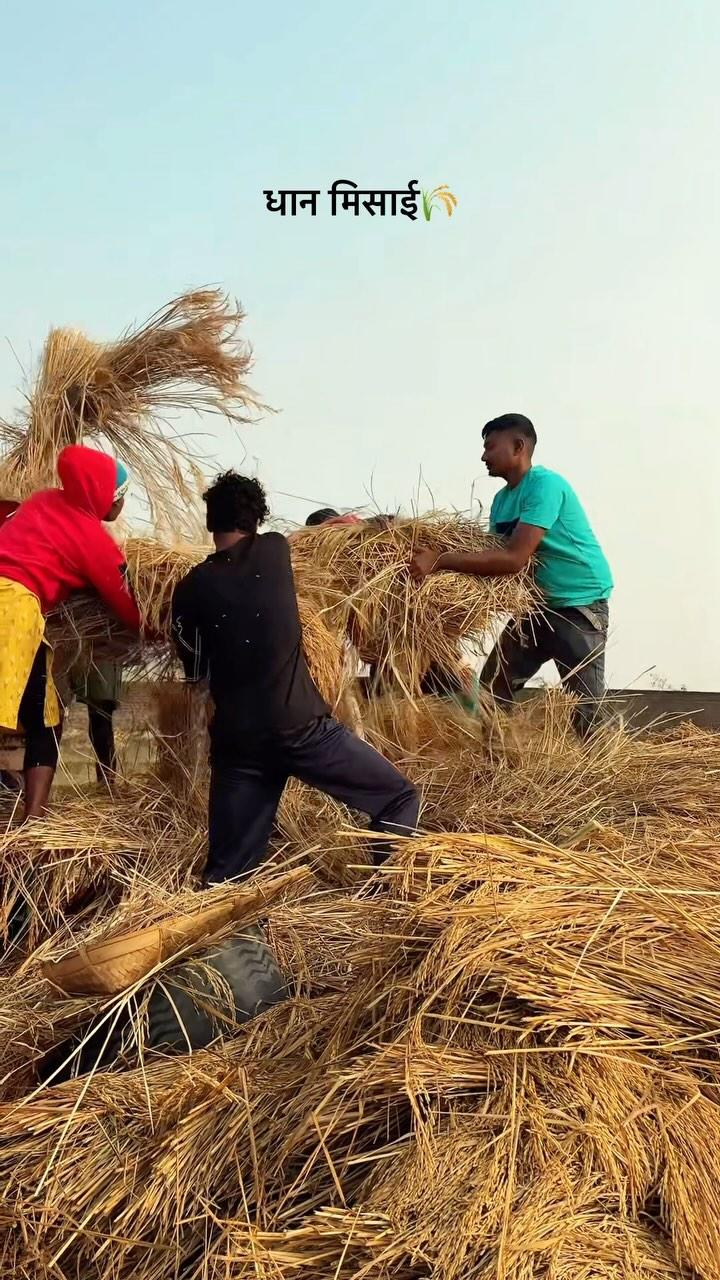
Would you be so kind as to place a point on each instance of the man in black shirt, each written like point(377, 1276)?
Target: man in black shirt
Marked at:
point(236, 624)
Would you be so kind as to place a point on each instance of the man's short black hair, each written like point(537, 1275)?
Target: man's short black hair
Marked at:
point(319, 517)
point(235, 503)
point(516, 422)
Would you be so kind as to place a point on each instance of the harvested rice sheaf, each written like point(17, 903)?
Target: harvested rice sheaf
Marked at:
point(359, 575)
point(188, 355)
point(83, 626)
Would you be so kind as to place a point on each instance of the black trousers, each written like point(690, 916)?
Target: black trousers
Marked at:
point(244, 796)
point(42, 742)
point(102, 738)
point(574, 639)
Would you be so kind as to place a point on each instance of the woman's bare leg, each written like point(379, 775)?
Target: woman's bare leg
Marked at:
point(38, 781)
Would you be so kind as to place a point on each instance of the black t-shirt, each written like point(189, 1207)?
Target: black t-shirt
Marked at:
point(236, 623)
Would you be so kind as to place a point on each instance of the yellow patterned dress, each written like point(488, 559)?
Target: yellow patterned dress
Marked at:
point(22, 631)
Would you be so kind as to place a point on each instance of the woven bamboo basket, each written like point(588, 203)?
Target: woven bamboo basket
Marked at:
point(112, 966)
point(106, 968)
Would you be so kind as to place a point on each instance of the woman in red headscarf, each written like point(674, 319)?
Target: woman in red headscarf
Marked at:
point(51, 545)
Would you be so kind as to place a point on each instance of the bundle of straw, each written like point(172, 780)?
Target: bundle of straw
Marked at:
point(186, 356)
point(359, 575)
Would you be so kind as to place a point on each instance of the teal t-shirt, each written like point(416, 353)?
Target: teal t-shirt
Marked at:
point(571, 568)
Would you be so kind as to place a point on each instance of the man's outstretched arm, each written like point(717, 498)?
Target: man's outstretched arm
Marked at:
point(496, 562)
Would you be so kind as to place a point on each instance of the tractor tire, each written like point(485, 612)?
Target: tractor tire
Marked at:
point(213, 995)
point(190, 1006)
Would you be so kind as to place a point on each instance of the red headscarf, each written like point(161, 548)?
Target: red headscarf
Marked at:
point(56, 543)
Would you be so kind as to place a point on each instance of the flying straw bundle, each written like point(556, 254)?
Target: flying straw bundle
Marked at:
point(188, 355)
point(359, 575)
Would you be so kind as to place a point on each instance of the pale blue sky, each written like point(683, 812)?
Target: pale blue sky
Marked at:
point(577, 282)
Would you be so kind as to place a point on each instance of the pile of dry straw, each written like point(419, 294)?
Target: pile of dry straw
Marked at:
point(504, 1064)
point(499, 1054)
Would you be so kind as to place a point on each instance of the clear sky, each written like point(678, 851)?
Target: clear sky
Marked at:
point(577, 282)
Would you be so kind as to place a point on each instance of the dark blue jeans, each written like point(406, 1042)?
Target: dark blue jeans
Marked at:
point(574, 639)
point(245, 794)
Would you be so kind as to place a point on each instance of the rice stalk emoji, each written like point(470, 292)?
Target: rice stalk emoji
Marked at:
point(434, 199)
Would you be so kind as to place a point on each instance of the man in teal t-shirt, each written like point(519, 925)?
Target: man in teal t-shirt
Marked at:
point(539, 514)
